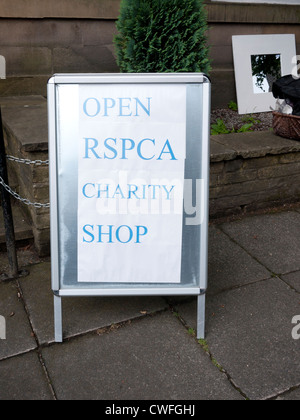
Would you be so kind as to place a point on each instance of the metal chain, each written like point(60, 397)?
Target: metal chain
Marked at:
point(28, 161)
point(23, 200)
point(13, 193)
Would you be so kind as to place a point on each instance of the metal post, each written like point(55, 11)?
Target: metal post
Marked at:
point(7, 210)
point(58, 319)
point(201, 317)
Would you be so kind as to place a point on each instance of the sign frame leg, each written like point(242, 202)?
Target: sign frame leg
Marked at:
point(201, 317)
point(58, 319)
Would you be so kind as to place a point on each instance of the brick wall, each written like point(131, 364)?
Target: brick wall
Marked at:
point(29, 141)
point(39, 38)
point(252, 171)
point(35, 49)
point(249, 184)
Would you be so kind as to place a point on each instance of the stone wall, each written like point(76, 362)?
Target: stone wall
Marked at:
point(226, 20)
point(38, 48)
point(26, 136)
point(251, 171)
point(39, 38)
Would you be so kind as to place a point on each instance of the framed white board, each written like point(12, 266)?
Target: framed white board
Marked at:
point(252, 53)
point(129, 183)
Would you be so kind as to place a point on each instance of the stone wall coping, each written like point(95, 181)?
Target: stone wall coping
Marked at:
point(250, 145)
point(26, 119)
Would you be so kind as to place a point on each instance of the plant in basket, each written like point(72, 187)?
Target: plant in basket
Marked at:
point(286, 118)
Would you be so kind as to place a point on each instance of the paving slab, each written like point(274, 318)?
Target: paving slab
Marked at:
point(273, 239)
point(23, 231)
point(293, 279)
point(229, 265)
point(154, 358)
point(82, 314)
point(23, 378)
point(26, 256)
point(18, 331)
point(249, 333)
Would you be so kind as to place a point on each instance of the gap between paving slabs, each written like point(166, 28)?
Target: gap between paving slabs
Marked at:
point(205, 346)
point(289, 279)
point(80, 314)
point(272, 239)
point(151, 358)
point(90, 309)
point(262, 344)
point(21, 348)
point(37, 347)
point(286, 279)
point(136, 323)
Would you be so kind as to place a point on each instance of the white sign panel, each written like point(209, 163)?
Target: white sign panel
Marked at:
point(131, 164)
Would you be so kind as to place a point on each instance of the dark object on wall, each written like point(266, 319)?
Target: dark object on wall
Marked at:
point(288, 88)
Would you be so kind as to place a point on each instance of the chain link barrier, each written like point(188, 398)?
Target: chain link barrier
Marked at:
point(14, 193)
point(28, 161)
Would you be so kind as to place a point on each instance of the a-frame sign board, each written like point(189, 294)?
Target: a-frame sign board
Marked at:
point(129, 186)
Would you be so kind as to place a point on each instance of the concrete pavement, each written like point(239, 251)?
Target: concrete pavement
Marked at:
point(144, 348)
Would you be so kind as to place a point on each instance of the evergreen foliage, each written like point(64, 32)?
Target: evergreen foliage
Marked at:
point(158, 36)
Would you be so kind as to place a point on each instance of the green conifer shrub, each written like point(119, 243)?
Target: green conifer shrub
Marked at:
point(158, 36)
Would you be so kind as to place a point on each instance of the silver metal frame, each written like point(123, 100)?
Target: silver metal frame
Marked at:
point(190, 79)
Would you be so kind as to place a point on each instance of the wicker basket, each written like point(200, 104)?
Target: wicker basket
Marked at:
point(287, 126)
